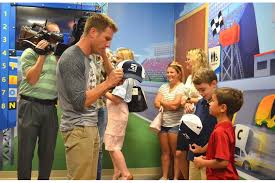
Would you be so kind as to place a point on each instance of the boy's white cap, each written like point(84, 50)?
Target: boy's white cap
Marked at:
point(193, 122)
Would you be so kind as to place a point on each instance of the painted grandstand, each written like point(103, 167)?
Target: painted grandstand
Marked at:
point(155, 66)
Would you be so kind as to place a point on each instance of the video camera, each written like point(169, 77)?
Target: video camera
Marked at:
point(77, 32)
point(31, 35)
point(78, 28)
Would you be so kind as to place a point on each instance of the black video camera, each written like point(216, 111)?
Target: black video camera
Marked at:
point(31, 35)
point(78, 28)
point(77, 32)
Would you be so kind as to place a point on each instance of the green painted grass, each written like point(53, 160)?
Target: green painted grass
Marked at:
point(141, 148)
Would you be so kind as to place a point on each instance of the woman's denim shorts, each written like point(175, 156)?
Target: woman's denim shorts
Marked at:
point(173, 129)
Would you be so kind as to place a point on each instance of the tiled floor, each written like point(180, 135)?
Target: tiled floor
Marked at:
point(138, 173)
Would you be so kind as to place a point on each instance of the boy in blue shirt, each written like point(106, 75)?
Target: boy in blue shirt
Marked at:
point(205, 81)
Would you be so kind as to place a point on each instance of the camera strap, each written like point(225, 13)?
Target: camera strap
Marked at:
point(31, 45)
point(40, 51)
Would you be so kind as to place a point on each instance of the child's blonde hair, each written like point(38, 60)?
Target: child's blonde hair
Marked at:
point(198, 58)
point(125, 54)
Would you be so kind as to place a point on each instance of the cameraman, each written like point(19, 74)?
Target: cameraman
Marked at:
point(37, 115)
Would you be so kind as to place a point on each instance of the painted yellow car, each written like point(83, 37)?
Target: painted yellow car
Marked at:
point(266, 112)
point(248, 162)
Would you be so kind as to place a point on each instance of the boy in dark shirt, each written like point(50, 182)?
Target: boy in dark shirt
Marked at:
point(219, 158)
point(205, 81)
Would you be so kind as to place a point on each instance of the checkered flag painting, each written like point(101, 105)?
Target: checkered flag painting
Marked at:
point(216, 24)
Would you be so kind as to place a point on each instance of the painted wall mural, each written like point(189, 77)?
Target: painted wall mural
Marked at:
point(246, 55)
point(255, 130)
point(244, 39)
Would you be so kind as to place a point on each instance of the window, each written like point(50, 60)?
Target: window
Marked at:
point(262, 65)
point(237, 151)
point(272, 67)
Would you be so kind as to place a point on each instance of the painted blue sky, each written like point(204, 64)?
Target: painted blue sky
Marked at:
point(141, 25)
point(265, 19)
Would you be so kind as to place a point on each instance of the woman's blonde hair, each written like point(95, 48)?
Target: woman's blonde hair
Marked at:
point(198, 58)
point(125, 54)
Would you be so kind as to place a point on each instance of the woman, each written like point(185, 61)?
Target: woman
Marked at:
point(169, 97)
point(195, 60)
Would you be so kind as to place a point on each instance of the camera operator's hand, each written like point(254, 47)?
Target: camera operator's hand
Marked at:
point(42, 44)
point(114, 77)
point(41, 47)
